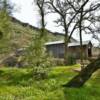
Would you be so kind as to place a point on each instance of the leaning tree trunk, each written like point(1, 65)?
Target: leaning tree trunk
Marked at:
point(84, 75)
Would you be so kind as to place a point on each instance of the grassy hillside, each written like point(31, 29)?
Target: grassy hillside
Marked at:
point(22, 31)
point(18, 84)
point(19, 36)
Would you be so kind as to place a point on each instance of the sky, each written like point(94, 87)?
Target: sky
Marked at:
point(27, 11)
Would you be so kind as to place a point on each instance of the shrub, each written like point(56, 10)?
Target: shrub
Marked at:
point(43, 67)
point(37, 57)
point(58, 61)
point(71, 60)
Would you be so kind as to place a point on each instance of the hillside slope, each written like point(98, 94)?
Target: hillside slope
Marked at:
point(20, 36)
point(23, 31)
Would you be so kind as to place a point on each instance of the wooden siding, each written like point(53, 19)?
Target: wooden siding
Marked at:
point(57, 50)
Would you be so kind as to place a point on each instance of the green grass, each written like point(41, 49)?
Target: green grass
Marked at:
point(18, 84)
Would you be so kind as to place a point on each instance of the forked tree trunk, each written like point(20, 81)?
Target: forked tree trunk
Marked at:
point(80, 79)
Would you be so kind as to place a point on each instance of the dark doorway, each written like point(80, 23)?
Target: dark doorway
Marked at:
point(89, 52)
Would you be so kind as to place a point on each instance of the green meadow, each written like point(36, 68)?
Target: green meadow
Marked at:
point(19, 84)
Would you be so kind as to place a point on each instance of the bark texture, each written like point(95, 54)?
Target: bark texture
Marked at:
point(80, 79)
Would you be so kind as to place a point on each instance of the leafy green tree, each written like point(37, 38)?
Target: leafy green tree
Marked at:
point(5, 27)
point(4, 23)
point(4, 18)
point(37, 57)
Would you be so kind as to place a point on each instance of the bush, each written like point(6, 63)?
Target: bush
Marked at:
point(43, 67)
point(37, 57)
point(58, 61)
point(71, 60)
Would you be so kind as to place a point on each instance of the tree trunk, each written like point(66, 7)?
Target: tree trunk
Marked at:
point(84, 75)
point(42, 23)
point(81, 44)
point(66, 51)
point(65, 42)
